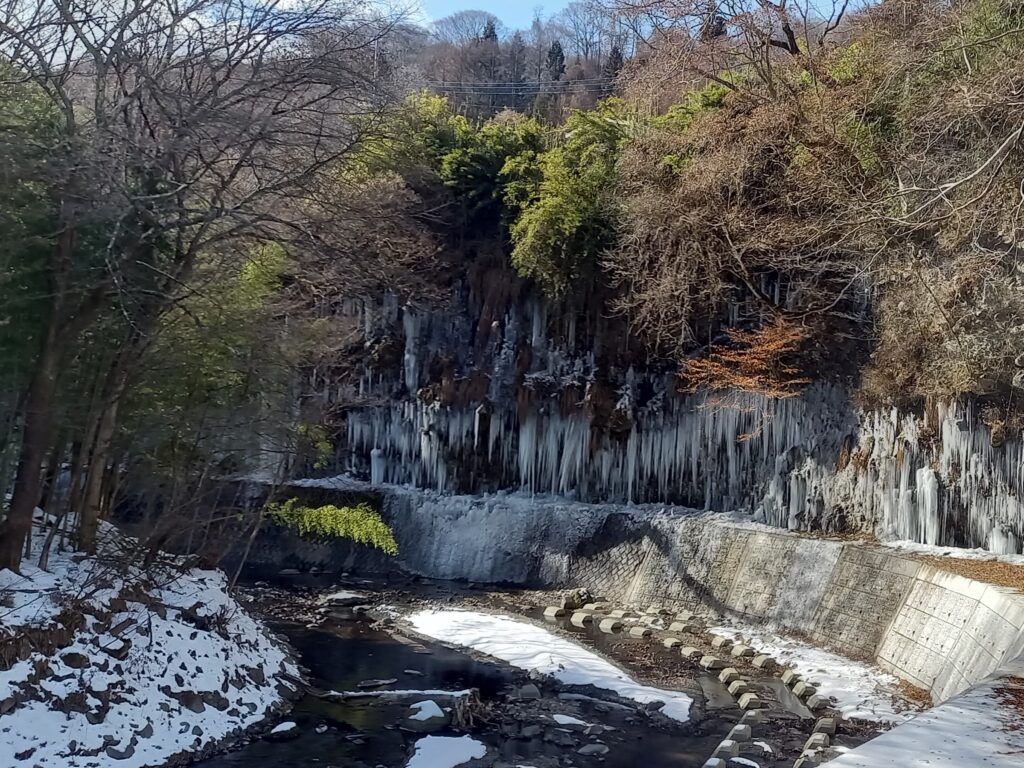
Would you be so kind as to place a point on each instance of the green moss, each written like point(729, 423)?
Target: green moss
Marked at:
point(360, 523)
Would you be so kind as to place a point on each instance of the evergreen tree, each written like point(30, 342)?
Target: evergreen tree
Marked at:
point(614, 64)
point(490, 32)
point(556, 61)
point(515, 70)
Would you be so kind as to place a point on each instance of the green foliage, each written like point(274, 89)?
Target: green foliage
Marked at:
point(486, 160)
point(29, 130)
point(316, 437)
point(567, 223)
point(862, 140)
point(849, 64)
point(212, 355)
point(360, 523)
point(411, 142)
point(680, 116)
point(992, 33)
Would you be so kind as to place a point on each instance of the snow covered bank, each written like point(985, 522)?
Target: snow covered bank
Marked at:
point(529, 647)
point(860, 690)
point(981, 728)
point(139, 673)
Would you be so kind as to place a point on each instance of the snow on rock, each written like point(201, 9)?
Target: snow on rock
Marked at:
point(529, 647)
point(342, 596)
point(398, 694)
point(860, 690)
point(284, 727)
point(426, 710)
point(151, 671)
point(445, 752)
point(567, 720)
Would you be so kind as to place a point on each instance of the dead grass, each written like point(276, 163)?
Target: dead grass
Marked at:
point(989, 571)
point(914, 694)
point(1011, 696)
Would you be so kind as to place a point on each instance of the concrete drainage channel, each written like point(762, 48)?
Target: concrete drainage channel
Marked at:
point(753, 681)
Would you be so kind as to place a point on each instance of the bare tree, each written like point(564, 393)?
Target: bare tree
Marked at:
point(185, 126)
point(464, 27)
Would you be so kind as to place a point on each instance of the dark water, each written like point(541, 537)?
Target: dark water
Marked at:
point(362, 732)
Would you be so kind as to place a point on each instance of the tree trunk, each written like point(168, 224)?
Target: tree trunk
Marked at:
point(89, 514)
point(35, 440)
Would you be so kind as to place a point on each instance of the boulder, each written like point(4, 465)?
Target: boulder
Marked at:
point(115, 753)
point(575, 599)
point(75, 660)
point(283, 732)
point(426, 717)
point(528, 691)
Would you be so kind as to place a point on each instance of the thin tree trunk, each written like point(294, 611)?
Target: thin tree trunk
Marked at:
point(89, 513)
point(52, 472)
point(35, 439)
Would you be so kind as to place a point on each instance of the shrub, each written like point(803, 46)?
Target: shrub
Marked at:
point(360, 523)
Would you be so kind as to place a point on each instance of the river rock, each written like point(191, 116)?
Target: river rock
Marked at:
point(120, 754)
point(75, 660)
point(283, 732)
point(377, 683)
point(426, 717)
point(575, 599)
point(528, 691)
point(593, 749)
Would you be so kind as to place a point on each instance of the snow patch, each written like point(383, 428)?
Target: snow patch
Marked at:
point(860, 690)
point(445, 752)
point(529, 647)
point(426, 710)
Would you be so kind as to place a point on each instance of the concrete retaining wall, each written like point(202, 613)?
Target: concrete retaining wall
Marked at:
point(939, 631)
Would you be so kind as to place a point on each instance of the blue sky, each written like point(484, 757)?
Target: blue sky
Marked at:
point(515, 13)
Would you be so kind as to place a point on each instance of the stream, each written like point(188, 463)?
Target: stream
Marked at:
point(367, 731)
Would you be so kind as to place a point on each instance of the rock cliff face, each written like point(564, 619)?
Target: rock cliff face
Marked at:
point(505, 393)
